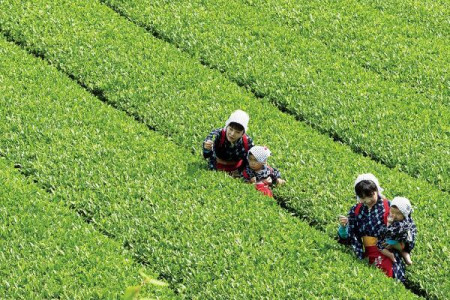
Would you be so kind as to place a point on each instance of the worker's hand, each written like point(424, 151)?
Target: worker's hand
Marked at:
point(280, 181)
point(343, 220)
point(268, 180)
point(390, 219)
point(208, 145)
point(253, 180)
point(235, 174)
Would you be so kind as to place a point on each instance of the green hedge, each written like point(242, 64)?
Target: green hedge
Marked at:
point(48, 252)
point(208, 235)
point(178, 97)
point(403, 42)
point(395, 124)
point(431, 15)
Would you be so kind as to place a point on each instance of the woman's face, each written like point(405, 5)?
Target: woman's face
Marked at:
point(371, 200)
point(234, 134)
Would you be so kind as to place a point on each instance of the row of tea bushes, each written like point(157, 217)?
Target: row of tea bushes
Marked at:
point(48, 252)
point(408, 45)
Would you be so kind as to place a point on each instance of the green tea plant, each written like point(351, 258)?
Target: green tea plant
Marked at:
point(403, 41)
point(134, 292)
point(49, 252)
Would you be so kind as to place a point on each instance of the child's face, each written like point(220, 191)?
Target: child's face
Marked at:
point(371, 200)
point(254, 164)
point(234, 133)
point(396, 214)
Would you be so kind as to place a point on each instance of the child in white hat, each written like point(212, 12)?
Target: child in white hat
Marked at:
point(257, 170)
point(227, 147)
point(400, 231)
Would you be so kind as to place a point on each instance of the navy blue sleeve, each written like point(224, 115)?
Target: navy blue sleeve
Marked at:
point(411, 241)
point(250, 142)
point(354, 234)
point(274, 174)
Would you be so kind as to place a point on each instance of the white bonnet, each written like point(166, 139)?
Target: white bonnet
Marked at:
point(403, 205)
point(369, 177)
point(239, 117)
point(261, 153)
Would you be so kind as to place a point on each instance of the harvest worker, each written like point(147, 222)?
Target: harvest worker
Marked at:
point(259, 172)
point(365, 225)
point(227, 147)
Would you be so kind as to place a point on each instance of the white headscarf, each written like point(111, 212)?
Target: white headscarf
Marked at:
point(261, 153)
point(369, 177)
point(240, 117)
point(403, 205)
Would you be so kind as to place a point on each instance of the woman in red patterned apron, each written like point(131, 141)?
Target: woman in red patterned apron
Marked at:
point(227, 148)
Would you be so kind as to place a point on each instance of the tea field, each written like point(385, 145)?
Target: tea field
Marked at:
point(105, 104)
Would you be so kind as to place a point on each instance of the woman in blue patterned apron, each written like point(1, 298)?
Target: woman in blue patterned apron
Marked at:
point(365, 226)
